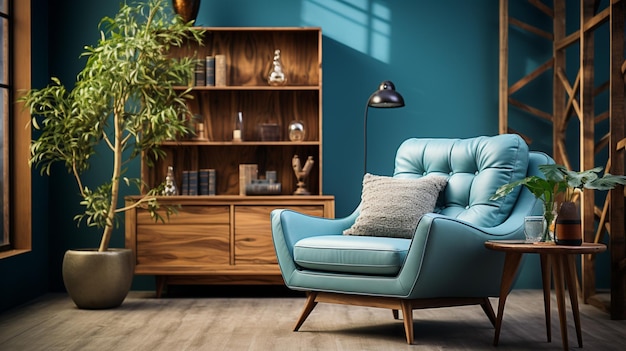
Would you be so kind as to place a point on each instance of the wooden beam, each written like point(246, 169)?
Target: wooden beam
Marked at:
point(617, 153)
point(558, 90)
point(587, 142)
point(532, 110)
point(531, 76)
point(503, 81)
point(572, 91)
point(595, 21)
point(566, 41)
point(532, 29)
point(542, 7)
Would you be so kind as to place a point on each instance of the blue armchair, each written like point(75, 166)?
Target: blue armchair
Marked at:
point(445, 263)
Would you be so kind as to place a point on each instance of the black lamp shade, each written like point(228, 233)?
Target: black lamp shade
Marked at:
point(386, 96)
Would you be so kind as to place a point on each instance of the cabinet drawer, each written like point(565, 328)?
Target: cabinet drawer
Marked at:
point(253, 233)
point(189, 214)
point(195, 236)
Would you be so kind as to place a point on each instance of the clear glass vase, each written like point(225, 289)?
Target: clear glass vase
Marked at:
point(549, 213)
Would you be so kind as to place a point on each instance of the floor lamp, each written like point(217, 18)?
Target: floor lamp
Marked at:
point(385, 97)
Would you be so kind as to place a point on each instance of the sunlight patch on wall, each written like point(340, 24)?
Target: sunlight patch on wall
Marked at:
point(363, 25)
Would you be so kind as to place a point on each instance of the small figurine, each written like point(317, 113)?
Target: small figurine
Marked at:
point(170, 184)
point(276, 75)
point(301, 173)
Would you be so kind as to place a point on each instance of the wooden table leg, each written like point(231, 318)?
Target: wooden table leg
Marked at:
point(557, 270)
point(569, 267)
point(545, 278)
point(511, 264)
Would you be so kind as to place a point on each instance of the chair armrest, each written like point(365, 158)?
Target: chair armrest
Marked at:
point(442, 235)
point(295, 226)
point(288, 227)
point(435, 226)
point(462, 245)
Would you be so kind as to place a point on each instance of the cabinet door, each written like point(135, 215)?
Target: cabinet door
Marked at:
point(195, 236)
point(253, 233)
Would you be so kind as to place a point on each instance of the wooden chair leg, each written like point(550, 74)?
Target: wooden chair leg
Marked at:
point(396, 314)
point(488, 309)
point(309, 305)
point(407, 315)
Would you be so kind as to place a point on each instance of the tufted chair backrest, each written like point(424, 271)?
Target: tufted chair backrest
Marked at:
point(475, 168)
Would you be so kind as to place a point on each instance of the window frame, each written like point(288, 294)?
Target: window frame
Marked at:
point(20, 195)
point(5, 111)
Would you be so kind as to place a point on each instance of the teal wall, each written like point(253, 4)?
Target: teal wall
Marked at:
point(442, 61)
point(442, 56)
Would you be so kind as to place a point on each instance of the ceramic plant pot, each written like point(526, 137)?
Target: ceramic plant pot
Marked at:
point(568, 225)
point(98, 280)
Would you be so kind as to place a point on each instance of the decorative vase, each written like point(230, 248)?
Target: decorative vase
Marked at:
point(568, 225)
point(98, 280)
point(549, 213)
point(269, 131)
point(296, 131)
point(187, 9)
point(276, 75)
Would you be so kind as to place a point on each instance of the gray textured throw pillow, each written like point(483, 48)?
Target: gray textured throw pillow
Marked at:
point(391, 207)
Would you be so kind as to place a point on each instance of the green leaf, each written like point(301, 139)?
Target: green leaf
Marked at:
point(607, 182)
point(127, 82)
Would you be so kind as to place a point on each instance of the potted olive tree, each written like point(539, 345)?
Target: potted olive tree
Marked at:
point(124, 101)
point(559, 180)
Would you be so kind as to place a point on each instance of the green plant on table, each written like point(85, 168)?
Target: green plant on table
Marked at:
point(559, 180)
point(125, 98)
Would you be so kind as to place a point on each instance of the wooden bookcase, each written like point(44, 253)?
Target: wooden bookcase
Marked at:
point(226, 238)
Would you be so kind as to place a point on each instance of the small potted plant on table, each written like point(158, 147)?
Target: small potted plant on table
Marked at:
point(125, 101)
point(559, 180)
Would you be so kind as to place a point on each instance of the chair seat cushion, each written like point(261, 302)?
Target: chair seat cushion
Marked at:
point(352, 254)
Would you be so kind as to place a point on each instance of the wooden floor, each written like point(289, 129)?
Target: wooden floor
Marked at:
point(264, 323)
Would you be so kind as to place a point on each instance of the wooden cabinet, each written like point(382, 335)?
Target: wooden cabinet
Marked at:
point(226, 238)
point(213, 239)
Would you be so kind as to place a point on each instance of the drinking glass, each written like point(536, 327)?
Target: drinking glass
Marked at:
point(533, 228)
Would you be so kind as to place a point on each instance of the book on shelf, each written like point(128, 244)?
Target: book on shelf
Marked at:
point(207, 181)
point(210, 70)
point(220, 70)
point(193, 182)
point(184, 189)
point(212, 182)
point(247, 173)
point(263, 187)
point(199, 73)
point(204, 181)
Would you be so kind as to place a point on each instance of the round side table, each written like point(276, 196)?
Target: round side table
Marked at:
point(556, 258)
